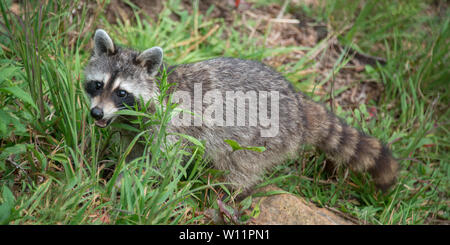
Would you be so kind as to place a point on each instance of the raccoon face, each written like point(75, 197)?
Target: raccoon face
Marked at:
point(117, 77)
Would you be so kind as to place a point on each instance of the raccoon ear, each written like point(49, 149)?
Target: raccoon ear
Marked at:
point(151, 58)
point(103, 43)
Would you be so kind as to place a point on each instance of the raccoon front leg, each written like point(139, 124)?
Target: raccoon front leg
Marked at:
point(346, 145)
point(242, 182)
point(241, 170)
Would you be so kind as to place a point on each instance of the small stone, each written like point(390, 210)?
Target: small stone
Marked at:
point(288, 209)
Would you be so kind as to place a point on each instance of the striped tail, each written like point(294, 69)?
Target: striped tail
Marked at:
point(344, 144)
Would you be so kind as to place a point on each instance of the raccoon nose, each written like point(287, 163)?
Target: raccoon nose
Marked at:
point(97, 113)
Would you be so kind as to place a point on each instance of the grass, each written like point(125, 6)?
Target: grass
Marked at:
point(57, 168)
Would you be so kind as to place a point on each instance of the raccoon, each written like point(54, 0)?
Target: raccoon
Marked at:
point(117, 76)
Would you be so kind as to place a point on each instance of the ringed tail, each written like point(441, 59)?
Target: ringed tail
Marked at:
point(349, 146)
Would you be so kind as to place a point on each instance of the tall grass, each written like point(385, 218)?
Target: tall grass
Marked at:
point(59, 165)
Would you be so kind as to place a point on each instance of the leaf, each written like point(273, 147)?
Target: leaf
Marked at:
point(235, 146)
point(256, 211)
point(16, 149)
point(246, 203)
point(275, 192)
point(7, 206)
point(372, 72)
point(5, 213)
point(132, 113)
point(7, 73)
point(126, 127)
point(228, 211)
point(19, 93)
point(256, 148)
point(191, 139)
point(4, 121)
point(8, 196)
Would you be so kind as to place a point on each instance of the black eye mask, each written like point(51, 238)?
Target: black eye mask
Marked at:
point(92, 88)
point(121, 101)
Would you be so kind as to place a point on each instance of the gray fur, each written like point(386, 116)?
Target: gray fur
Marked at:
point(301, 121)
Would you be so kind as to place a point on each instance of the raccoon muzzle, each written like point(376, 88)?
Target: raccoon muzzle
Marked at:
point(103, 123)
point(97, 113)
point(348, 146)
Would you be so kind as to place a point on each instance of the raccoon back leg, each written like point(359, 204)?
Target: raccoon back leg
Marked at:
point(347, 145)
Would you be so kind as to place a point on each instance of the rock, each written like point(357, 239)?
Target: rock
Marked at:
point(288, 209)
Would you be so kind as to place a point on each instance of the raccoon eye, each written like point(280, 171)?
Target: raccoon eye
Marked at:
point(98, 85)
point(121, 93)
